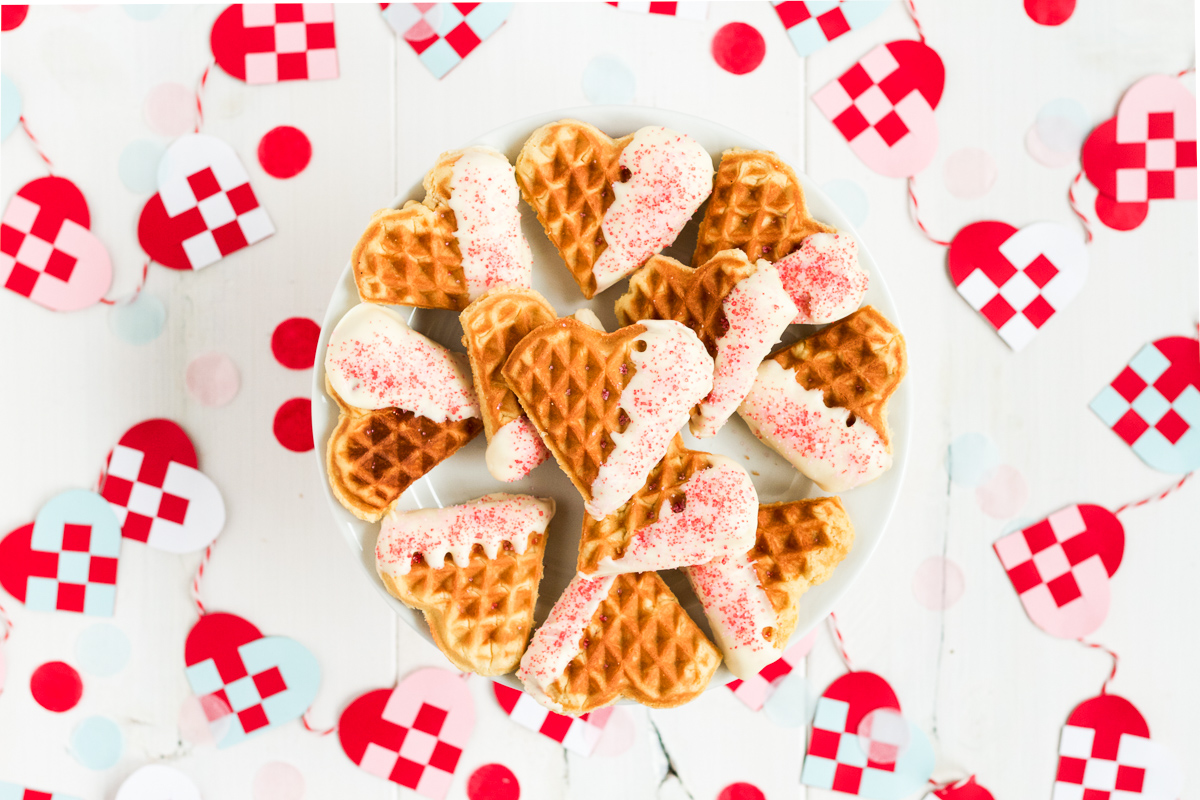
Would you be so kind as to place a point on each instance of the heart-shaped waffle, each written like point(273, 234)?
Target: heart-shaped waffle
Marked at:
point(620, 636)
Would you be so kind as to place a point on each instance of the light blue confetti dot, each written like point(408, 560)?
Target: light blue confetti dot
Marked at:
point(97, 743)
point(143, 12)
point(102, 650)
point(139, 322)
point(1063, 124)
point(10, 106)
point(607, 81)
point(850, 198)
point(138, 166)
point(971, 459)
point(792, 702)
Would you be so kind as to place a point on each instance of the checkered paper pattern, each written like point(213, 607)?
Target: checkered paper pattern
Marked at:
point(11, 791)
point(755, 691)
point(812, 25)
point(577, 734)
point(695, 9)
point(443, 34)
point(1154, 404)
point(267, 43)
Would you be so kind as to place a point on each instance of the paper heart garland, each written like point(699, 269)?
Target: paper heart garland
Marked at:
point(813, 25)
point(755, 691)
point(66, 560)
point(18, 792)
point(271, 42)
point(47, 252)
point(204, 209)
point(686, 9)
point(255, 682)
point(1154, 404)
point(835, 758)
point(577, 734)
point(883, 106)
point(1060, 568)
point(1017, 279)
point(152, 482)
point(412, 735)
point(966, 789)
point(158, 782)
point(1106, 752)
point(443, 34)
point(1146, 152)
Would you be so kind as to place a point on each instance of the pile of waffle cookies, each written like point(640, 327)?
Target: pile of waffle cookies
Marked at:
point(698, 345)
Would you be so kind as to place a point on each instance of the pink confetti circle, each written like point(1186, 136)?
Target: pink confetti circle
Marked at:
point(284, 152)
point(969, 173)
point(1043, 154)
point(294, 342)
point(212, 379)
point(883, 735)
point(738, 48)
point(938, 583)
point(293, 424)
point(1050, 12)
point(493, 782)
point(619, 733)
point(204, 720)
point(1004, 494)
point(277, 780)
point(56, 686)
point(741, 791)
point(11, 17)
point(170, 109)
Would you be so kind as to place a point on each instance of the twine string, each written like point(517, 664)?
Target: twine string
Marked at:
point(308, 725)
point(37, 146)
point(200, 95)
point(6, 625)
point(141, 284)
point(199, 577)
point(1175, 487)
point(1111, 673)
point(916, 214)
point(841, 641)
point(912, 12)
point(1087, 226)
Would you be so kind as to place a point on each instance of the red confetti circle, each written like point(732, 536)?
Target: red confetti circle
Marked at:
point(293, 424)
point(1050, 12)
point(56, 686)
point(741, 791)
point(284, 152)
point(294, 342)
point(493, 782)
point(11, 17)
point(738, 48)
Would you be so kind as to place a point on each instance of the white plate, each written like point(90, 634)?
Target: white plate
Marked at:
point(464, 477)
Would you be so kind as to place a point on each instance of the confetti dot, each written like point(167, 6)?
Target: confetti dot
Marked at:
point(606, 80)
point(619, 733)
point(194, 716)
point(158, 782)
point(138, 166)
point(493, 782)
point(170, 109)
point(969, 173)
point(972, 459)
point(1050, 12)
point(11, 17)
point(102, 650)
point(284, 152)
point(97, 743)
point(10, 106)
point(1063, 124)
point(212, 379)
point(938, 583)
point(1042, 154)
point(294, 342)
point(792, 702)
point(741, 791)
point(293, 424)
point(738, 48)
point(427, 27)
point(850, 198)
point(277, 780)
point(883, 735)
point(56, 686)
point(1004, 494)
point(139, 321)
point(143, 13)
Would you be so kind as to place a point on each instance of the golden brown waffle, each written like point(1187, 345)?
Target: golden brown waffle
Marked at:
point(480, 615)
point(798, 546)
point(374, 456)
point(569, 378)
point(757, 206)
point(492, 327)
point(639, 644)
point(857, 362)
point(566, 171)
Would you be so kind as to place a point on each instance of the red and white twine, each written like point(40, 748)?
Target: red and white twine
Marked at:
point(1156, 497)
point(37, 146)
point(916, 214)
point(199, 577)
point(841, 642)
point(1113, 672)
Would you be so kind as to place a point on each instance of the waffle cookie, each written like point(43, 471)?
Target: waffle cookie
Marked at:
point(473, 570)
point(751, 599)
point(620, 636)
point(492, 326)
point(446, 250)
point(693, 508)
point(609, 204)
point(821, 403)
point(823, 278)
point(757, 206)
point(608, 404)
point(737, 308)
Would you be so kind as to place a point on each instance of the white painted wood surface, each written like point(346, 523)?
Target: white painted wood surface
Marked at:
point(989, 687)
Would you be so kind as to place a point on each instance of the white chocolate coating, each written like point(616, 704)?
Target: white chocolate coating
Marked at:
point(514, 450)
point(738, 611)
point(484, 198)
point(824, 278)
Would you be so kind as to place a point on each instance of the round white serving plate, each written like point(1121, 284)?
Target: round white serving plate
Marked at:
point(464, 476)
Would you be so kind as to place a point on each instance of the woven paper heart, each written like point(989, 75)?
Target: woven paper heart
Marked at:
point(883, 106)
point(12, 791)
point(1017, 279)
point(152, 482)
point(1060, 567)
point(1106, 753)
point(1146, 152)
point(813, 25)
point(412, 735)
point(686, 9)
point(577, 734)
point(889, 768)
point(47, 252)
point(754, 692)
point(247, 682)
point(267, 43)
point(443, 34)
point(204, 209)
point(966, 789)
point(1154, 404)
point(66, 560)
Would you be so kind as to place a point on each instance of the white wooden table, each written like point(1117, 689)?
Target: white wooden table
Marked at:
point(990, 689)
